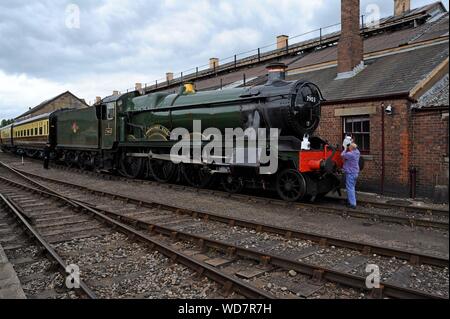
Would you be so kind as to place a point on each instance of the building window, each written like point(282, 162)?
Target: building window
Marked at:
point(359, 128)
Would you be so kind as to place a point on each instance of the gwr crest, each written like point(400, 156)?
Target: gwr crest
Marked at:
point(75, 127)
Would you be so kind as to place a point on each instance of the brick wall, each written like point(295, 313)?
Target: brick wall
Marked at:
point(397, 143)
point(412, 139)
point(429, 150)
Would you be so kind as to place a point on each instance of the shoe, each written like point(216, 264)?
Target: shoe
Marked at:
point(352, 206)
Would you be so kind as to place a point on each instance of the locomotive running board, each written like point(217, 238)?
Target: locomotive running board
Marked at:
point(182, 159)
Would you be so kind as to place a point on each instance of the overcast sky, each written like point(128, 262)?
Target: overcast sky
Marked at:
point(45, 51)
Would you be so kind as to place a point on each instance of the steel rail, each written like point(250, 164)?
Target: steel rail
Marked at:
point(325, 240)
point(343, 211)
point(269, 200)
point(229, 283)
point(58, 259)
point(358, 213)
point(317, 272)
point(232, 250)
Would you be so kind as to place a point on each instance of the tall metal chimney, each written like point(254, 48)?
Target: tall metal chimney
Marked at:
point(350, 46)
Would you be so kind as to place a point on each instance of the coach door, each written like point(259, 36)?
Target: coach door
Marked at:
point(108, 126)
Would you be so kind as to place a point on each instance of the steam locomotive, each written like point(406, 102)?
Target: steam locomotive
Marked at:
point(133, 134)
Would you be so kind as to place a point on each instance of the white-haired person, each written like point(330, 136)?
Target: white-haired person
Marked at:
point(351, 157)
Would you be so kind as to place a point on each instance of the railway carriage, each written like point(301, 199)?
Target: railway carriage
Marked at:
point(5, 137)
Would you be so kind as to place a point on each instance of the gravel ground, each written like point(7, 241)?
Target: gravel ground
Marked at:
point(37, 278)
point(391, 235)
point(131, 270)
point(420, 277)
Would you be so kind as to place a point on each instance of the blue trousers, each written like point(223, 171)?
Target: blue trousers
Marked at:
point(350, 183)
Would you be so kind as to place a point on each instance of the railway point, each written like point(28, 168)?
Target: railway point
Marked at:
point(300, 158)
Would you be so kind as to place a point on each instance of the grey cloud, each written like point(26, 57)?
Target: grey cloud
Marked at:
point(148, 38)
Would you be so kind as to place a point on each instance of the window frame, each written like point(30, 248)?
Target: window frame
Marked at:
point(110, 107)
point(358, 119)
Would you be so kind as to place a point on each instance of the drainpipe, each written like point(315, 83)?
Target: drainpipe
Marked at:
point(413, 181)
point(382, 150)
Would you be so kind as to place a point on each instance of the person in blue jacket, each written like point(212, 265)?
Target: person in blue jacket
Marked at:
point(351, 169)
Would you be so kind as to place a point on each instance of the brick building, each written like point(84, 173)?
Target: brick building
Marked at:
point(63, 100)
point(387, 84)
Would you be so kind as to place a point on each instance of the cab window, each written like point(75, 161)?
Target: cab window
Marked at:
point(110, 111)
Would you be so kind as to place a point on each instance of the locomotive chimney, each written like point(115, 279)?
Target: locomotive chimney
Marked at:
point(276, 72)
point(282, 41)
point(350, 46)
point(213, 63)
point(401, 6)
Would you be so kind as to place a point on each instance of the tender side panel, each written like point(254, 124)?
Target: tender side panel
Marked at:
point(77, 129)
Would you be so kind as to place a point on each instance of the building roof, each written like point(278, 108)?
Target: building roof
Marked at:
point(415, 27)
point(437, 96)
point(46, 102)
point(387, 74)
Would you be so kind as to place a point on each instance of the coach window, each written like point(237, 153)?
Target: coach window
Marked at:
point(359, 128)
point(35, 131)
point(40, 130)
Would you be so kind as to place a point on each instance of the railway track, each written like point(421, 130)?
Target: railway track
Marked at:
point(392, 212)
point(40, 269)
point(189, 228)
point(115, 265)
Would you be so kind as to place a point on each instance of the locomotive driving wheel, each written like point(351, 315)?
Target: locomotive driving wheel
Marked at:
point(71, 159)
point(232, 184)
point(291, 185)
point(86, 161)
point(131, 167)
point(196, 175)
point(162, 171)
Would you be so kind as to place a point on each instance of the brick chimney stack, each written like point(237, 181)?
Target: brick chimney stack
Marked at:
point(169, 76)
point(282, 41)
point(213, 63)
point(350, 46)
point(401, 6)
point(138, 87)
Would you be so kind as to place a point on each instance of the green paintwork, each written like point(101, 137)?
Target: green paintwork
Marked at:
point(78, 128)
point(108, 125)
point(219, 109)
